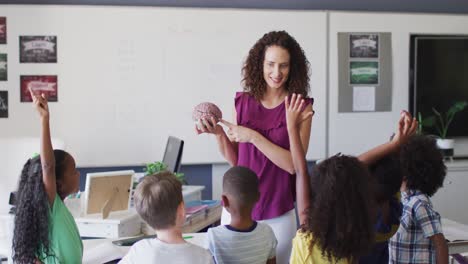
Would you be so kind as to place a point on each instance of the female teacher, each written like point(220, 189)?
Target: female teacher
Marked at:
point(275, 68)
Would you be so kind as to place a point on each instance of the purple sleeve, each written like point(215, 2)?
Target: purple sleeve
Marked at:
point(238, 102)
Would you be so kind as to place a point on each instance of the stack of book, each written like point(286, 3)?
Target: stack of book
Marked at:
point(200, 214)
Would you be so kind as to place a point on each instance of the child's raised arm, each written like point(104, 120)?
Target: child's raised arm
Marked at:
point(46, 151)
point(406, 128)
point(294, 117)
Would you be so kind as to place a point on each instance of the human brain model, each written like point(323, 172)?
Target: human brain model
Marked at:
point(206, 110)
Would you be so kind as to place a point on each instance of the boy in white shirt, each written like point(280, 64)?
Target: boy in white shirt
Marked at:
point(158, 200)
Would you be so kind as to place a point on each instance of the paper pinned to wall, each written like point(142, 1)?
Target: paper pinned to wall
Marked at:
point(364, 98)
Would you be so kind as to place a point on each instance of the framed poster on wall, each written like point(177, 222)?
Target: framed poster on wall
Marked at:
point(38, 49)
point(3, 30)
point(46, 84)
point(364, 45)
point(3, 67)
point(3, 104)
point(364, 72)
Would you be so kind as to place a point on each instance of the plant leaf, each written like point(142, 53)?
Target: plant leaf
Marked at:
point(457, 107)
point(436, 112)
point(428, 121)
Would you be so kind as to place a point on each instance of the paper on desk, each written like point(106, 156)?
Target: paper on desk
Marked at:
point(454, 231)
point(102, 253)
point(364, 98)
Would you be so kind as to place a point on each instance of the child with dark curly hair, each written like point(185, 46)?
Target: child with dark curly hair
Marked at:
point(276, 67)
point(45, 230)
point(336, 215)
point(384, 165)
point(419, 238)
point(335, 212)
point(387, 173)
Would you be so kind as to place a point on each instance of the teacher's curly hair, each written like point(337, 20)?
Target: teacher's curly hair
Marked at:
point(341, 215)
point(31, 231)
point(252, 71)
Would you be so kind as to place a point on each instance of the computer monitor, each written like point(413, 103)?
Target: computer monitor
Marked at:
point(106, 192)
point(173, 154)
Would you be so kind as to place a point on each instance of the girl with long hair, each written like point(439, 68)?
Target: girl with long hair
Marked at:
point(45, 231)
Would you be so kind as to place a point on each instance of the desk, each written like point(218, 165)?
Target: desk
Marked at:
point(122, 224)
point(102, 250)
point(190, 193)
point(457, 234)
point(195, 223)
point(6, 234)
point(200, 239)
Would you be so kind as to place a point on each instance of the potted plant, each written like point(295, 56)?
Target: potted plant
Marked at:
point(157, 166)
point(441, 122)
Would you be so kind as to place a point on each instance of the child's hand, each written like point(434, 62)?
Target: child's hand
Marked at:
point(407, 126)
point(294, 111)
point(40, 103)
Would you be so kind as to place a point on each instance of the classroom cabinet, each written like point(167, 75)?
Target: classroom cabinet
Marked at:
point(451, 201)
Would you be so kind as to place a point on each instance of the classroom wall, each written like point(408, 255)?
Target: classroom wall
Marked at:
point(122, 142)
point(357, 132)
point(112, 97)
point(128, 77)
point(422, 6)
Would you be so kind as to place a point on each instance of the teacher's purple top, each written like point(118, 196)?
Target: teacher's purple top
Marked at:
point(277, 186)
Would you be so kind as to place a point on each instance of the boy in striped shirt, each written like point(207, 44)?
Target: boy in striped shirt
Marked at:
point(243, 240)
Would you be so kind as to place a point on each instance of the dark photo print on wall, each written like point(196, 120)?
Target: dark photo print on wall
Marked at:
point(3, 30)
point(3, 67)
point(364, 72)
point(46, 84)
point(38, 49)
point(364, 45)
point(3, 104)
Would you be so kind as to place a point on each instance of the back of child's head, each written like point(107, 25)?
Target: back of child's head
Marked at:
point(341, 214)
point(242, 185)
point(157, 198)
point(388, 175)
point(31, 231)
point(422, 164)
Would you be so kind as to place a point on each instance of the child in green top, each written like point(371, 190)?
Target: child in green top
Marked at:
point(45, 231)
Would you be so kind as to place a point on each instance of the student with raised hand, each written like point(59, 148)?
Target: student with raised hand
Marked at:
point(275, 67)
point(337, 217)
point(45, 231)
point(385, 167)
point(388, 175)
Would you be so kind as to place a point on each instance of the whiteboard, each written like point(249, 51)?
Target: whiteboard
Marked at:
point(128, 77)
